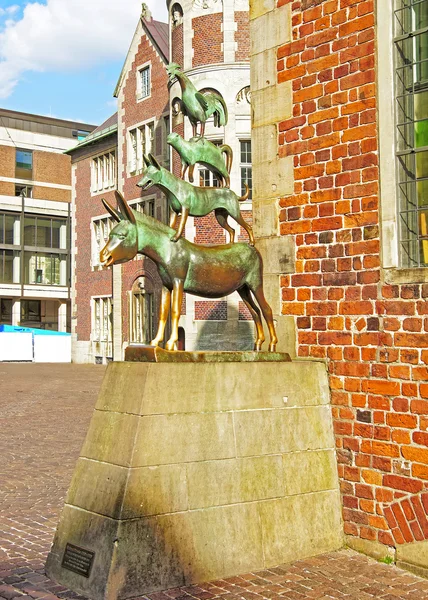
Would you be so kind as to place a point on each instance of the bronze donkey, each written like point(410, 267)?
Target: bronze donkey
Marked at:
point(207, 271)
point(185, 199)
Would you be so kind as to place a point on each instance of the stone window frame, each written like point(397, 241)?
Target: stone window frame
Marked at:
point(141, 305)
point(106, 223)
point(99, 331)
point(135, 165)
point(246, 165)
point(106, 184)
point(389, 210)
point(147, 66)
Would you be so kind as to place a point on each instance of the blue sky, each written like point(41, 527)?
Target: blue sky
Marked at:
point(63, 57)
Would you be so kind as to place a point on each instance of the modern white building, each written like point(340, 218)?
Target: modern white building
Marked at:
point(35, 194)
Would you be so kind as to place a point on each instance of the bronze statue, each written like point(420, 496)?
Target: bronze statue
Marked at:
point(207, 271)
point(200, 150)
point(186, 199)
point(196, 106)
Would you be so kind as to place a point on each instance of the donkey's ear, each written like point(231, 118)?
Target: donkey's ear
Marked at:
point(116, 216)
point(154, 162)
point(125, 209)
point(146, 161)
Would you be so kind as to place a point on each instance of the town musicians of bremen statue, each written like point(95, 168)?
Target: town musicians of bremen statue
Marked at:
point(206, 271)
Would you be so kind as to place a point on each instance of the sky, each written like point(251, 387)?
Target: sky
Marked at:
point(62, 58)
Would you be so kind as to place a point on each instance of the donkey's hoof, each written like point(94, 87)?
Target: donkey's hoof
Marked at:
point(171, 346)
point(272, 347)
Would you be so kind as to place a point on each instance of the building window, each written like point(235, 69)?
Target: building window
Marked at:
point(24, 164)
point(143, 83)
point(103, 172)
point(45, 269)
point(5, 311)
point(45, 232)
point(246, 168)
point(24, 190)
point(146, 206)
point(102, 319)
point(31, 313)
point(142, 315)
point(81, 134)
point(411, 89)
point(100, 232)
point(140, 144)
point(206, 177)
point(9, 229)
point(6, 265)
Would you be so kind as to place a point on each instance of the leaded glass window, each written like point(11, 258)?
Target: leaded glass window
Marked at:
point(411, 89)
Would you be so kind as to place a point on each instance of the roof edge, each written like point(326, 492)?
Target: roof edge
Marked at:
point(96, 138)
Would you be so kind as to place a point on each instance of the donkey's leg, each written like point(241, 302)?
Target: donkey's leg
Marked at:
point(163, 316)
point(184, 215)
point(177, 299)
point(221, 216)
point(256, 314)
point(240, 220)
point(267, 313)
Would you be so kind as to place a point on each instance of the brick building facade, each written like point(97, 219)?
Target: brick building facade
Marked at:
point(114, 307)
point(345, 105)
point(35, 195)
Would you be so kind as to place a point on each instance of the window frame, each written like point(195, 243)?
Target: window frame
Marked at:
point(102, 164)
point(394, 272)
point(139, 142)
point(106, 222)
point(102, 333)
point(146, 67)
point(247, 166)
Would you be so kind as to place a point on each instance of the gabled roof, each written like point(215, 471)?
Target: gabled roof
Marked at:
point(107, 128)
point(158, 33)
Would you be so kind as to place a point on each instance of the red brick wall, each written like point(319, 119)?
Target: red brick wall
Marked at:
point(242, 35)
point(208, 231)
point(152, 107)
point(88, 283)
point(135, 112)
point(374, 336)
point(210, 310)
point(207, 39)
point(177, 50)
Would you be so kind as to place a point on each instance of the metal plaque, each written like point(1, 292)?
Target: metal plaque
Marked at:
point(78, 560)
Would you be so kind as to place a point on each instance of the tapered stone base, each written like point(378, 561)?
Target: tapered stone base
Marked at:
point(198, 471)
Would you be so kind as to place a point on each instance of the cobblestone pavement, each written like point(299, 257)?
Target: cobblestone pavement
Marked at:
point(44, 414)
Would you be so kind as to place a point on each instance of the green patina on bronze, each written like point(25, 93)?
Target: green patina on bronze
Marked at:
point(202, 151)
point(185, 199)
point(207, 271)
point(196, 106)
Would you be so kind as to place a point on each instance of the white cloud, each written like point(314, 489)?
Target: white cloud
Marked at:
point(64, 35)
point(9, 10)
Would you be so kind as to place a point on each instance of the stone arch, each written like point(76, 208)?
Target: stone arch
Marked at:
point(176, 14)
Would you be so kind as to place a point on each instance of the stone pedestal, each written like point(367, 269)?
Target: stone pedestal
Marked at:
point(198, 471)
